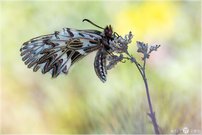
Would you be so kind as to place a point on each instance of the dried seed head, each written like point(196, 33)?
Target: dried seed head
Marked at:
point(113, 60)
point(142, 47)
point(153, 48)
point(120, 44)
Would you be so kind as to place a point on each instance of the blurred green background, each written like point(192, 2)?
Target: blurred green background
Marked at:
point(80, 102)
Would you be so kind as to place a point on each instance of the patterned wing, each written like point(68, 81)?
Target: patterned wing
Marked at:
point(100, 65)
point(55, 53)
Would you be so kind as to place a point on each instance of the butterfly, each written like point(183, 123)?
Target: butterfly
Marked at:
point(56, 53)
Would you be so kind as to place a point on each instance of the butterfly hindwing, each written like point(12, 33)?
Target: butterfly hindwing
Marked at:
point(55, 53)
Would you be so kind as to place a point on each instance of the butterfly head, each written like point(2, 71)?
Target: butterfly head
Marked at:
point(108, 32)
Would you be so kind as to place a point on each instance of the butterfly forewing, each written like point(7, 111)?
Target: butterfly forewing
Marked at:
point(56, 52)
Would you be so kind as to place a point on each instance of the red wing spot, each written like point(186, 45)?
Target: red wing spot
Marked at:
point(92, 41)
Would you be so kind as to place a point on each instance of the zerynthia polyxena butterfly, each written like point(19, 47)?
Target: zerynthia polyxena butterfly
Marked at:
point(55, 53)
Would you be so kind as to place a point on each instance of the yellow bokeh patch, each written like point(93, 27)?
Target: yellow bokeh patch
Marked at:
point(147, 18)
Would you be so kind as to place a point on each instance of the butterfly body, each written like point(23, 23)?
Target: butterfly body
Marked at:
point(55, 53)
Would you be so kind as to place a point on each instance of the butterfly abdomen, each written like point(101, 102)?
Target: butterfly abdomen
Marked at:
point(100, 65)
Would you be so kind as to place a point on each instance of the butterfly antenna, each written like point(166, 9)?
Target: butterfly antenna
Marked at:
point(92, 23)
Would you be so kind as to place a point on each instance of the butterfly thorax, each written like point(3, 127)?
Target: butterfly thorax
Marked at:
point(108, 36)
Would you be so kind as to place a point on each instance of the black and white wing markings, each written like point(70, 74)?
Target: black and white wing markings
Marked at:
point(55, 53)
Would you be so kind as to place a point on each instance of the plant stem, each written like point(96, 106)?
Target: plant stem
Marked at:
point(151, 114)
point(142, 72)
